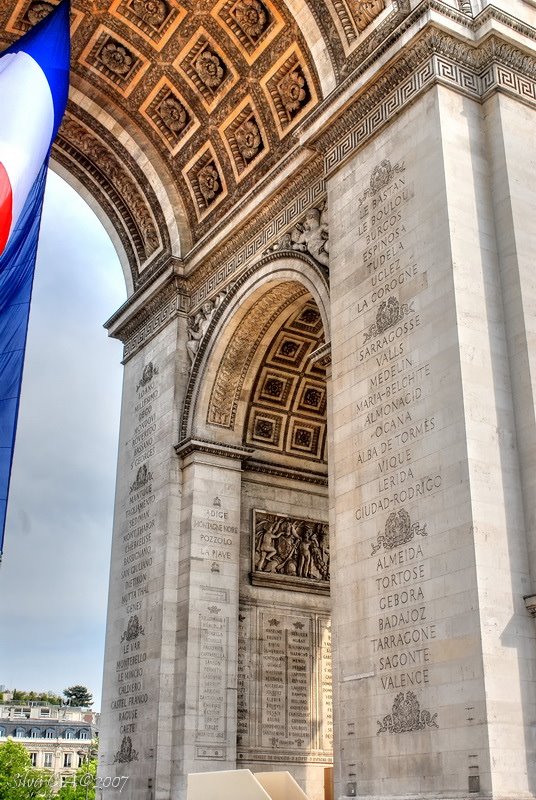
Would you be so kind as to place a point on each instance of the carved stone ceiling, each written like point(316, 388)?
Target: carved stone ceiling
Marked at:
point(179, 107)
point(287, 412)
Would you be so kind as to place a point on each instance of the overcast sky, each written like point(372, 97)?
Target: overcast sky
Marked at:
point(54, 576)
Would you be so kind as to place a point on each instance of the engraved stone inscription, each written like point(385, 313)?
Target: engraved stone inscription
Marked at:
point(137, 530)
point(394, 422)
point(212, 683)
point(284, 686)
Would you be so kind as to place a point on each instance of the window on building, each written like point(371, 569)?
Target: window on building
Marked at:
point(21, 713)
point(20, 733)
point(69, 733)
point(49, 733)
point(83, 735)
point(35, 733)
point(2, 731)
point(67, 759)
point(44, 712)
point(48, 760)
point(33, 759)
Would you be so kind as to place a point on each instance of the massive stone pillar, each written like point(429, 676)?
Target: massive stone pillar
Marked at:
point(435, 655)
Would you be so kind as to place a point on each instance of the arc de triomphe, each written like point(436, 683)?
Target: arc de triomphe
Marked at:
point(325, 214)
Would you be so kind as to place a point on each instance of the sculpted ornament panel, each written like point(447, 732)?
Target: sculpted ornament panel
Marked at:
point(290, 90)
point(399, 530)
point(406, 716)
point(310, 235)
point(290, 553)
point(198, 325)
point(205, 181)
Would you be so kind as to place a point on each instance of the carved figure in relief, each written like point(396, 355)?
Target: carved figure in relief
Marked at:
point(311, 235)
point(265, 548)
point(199, 327)
point(292, 547)
point(314, 238)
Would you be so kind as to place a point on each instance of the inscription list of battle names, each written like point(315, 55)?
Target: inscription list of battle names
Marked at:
point(392, 425)
point(137, 535)
point(293, 689)
point(215, 542)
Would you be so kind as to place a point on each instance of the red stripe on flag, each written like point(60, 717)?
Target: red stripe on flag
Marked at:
point(6, 207)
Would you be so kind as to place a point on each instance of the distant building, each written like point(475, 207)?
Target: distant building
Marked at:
point(58, 738)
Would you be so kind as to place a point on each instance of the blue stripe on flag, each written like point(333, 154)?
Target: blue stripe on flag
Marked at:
point(17, 265)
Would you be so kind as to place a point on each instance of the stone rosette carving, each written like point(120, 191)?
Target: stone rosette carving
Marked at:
point(117, 58)
point(133, 631)
point(399, 530)
point(209, 182)
point(206, 181)
point(152, 12)
point(173, 114)
point(248, 139)
point(310, 235)
point(290, 547)
point(38, 11)
point(291, 90)
point(143, 477)
point(126, 753)
point(389, 313)
point(149, 371)
point(252, 16)
point(406, 716)
point(245, 139)
point(210, 68)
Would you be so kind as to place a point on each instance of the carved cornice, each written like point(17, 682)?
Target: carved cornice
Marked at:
point(155, 314)
point(435, 57)
point(193, 445)
point(279, 471)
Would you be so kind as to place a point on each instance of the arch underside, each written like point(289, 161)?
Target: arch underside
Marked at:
point(180, 109)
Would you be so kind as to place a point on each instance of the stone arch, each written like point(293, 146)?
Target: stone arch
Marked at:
point(248, 316)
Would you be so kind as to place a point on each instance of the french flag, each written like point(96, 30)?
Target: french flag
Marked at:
point(34, 84)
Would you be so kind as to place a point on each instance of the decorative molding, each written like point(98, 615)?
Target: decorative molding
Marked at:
point(194, 445)
point(289, 473)
point(435, 57)
point(170, 301)
point(322, 355)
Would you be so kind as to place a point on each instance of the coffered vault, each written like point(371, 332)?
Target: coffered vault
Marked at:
point(178, 110)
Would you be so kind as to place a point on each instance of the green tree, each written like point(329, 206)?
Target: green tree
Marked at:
point(83, 784)
point(18, 781)
point(78, 696)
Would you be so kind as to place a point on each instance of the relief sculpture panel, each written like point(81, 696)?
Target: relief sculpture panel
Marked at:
point(290, 553)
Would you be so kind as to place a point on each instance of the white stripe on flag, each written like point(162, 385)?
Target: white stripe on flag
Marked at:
point(26, 123)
